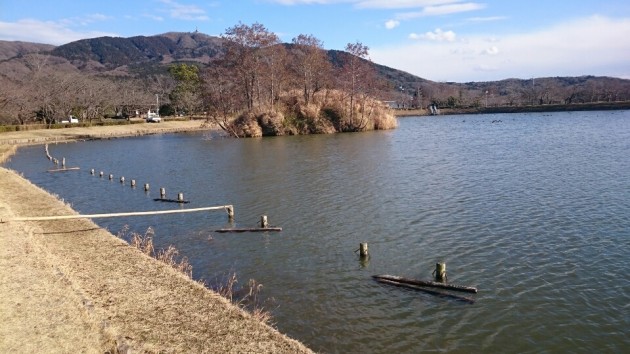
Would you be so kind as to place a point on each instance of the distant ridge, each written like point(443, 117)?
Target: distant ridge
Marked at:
point(113, 52)
point(145, 57)
point(12, 49)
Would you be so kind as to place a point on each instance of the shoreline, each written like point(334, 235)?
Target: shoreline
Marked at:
point(603, 106)
point(43, 136)
point(73, 286)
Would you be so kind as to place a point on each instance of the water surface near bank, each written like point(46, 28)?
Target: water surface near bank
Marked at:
point(532, 209)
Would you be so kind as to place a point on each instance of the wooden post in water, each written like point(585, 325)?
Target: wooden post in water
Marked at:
point(363, 249)
point(133, 183)
point(162, 192)
point(180, 197)
point(146, 187)
point(230, 211)
point(92, 172)
point(100, 174)
point(122, 179)
point(63, 162)
point(111, 176)
point(440, 272)
point(47, 153)
point(263, 221)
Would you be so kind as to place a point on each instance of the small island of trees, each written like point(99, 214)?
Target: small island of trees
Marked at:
point(262, 87)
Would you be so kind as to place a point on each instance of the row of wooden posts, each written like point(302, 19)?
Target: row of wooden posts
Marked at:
point(440, 268)
point(180, 195)
point(147, 187)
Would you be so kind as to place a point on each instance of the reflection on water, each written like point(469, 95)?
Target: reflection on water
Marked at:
point(534, 211)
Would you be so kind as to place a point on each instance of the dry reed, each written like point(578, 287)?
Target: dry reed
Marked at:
point(247, 297)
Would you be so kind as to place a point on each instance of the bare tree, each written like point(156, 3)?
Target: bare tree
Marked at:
point(220, 95)
point(358, 79)
point(275, 73)
point(311, 66)
point(246, 49)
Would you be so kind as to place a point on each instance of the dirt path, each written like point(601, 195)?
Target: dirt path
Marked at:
point(70, 286)
point(86, 133)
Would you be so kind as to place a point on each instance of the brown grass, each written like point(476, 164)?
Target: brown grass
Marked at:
point(247, 298)
point(97, 132)
point(169, 256)
point(329, 112)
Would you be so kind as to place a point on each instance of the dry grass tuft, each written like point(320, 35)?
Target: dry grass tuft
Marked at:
point(247, 298)
point(169, 256)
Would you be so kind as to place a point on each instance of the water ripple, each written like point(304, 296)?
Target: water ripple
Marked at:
point(534, 211)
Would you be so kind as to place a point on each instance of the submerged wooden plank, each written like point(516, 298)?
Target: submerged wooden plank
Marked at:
point(416, 282)
point(254, 229)
point(171, 200)
point(428, 291)
point(65, 169)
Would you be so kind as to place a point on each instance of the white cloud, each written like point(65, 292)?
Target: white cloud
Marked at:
point(440, 10)
point(587, 46)
point(308, 2)
point(492, 50)
point(487, 19)
point(48, 32)
point(185, 12)
point(437, 35)
point(391, 24)
point(452, 8)
point(431, 5)
point(401, 4)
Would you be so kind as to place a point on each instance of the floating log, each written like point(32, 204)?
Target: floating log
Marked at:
point(171, 200)
point(64, 169)
point(416, 282)
point(253, 229)
point(428, 291)
point(138, 213)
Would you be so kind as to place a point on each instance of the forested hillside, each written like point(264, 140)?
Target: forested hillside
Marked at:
point(107, 77)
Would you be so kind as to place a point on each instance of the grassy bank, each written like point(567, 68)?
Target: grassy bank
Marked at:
point(41, 136)
point(70, 286)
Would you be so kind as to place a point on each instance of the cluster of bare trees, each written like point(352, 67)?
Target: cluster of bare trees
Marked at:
point(50, 92)
point(514, 92)
point(258, 74)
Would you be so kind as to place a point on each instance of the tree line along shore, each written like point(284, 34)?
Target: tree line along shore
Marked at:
point(72, 286)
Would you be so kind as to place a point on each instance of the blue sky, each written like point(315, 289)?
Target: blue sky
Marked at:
point(441, 40)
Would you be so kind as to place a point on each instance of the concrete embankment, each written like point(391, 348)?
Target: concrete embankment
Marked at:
point(70, 286)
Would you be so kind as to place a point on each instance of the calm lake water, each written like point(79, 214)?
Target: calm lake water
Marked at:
point(534, 210)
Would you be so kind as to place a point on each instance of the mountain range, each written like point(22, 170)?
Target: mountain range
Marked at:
point(146, 55)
